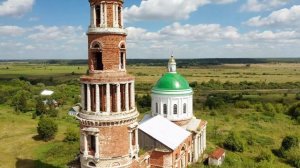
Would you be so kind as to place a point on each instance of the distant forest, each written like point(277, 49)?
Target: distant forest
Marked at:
point(180, 62)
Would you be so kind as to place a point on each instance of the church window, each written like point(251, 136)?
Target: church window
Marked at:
point(184, 108)
point(165, 110)
point(175, 109)
point(156, 108)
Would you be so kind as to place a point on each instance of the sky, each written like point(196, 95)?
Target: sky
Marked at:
point(56, 29)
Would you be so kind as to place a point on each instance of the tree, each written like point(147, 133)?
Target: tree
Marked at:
point(71, 135)
point(47, 129)
point(233, 143)
point(19, 101)
point(40, 107)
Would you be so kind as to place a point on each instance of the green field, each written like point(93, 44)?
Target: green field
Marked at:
point(19, 146)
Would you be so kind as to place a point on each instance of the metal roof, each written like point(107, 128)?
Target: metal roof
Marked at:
point(164, 131)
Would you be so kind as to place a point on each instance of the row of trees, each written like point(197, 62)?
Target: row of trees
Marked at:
point(244, 85)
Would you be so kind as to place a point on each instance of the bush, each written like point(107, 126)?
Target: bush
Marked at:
point(47, 129)
point(71, 135)
point(265, 156)
point(233, 143)
point(289, 142)
point(294, 111)
point(259, 107)
point(40, 107)
point(213, 102)
point(269, 110)
point(298, 96)
point(243, 104)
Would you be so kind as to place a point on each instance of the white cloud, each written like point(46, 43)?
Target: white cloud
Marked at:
point(278, 18)
point(262, 5)
point(11, 30)
point(15, 7)
point(42, 33)
point(166, 9)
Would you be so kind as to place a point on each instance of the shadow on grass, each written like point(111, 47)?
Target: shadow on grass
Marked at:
point(27, 163)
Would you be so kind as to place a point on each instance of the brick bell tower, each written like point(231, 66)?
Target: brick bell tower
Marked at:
point(108, 118)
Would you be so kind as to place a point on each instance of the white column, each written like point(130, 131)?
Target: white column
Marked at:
point(82, 96)
point(105, 15)
point(130, 141)
point(132, 95)
point(122, 21)
point(137, 138)
point(97, 154)
point(108, 98)
point(88, 98)
point(196, 148)
point(97, 99)
point(114, 15)
point(117, 15)
point(126, 97)
point(101, 15)
point(85, 152)
point(92, 16)
point(118, 98)
point(204, 134)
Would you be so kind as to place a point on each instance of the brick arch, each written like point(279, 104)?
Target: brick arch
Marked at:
point(122, 45)
point(96, 45)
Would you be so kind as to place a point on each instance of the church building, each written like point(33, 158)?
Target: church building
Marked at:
point(172, 120)
point(110, 133)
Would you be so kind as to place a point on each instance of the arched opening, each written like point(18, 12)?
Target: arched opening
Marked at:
point(184, 108)
point(165, 109)
point(122, 55)
point(119, 16)
point(156, 108)
point(92, 164)
point(98, 15)
point(175, 109)
point(97, 61)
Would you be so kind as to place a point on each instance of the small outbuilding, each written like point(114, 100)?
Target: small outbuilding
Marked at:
point(216, 158)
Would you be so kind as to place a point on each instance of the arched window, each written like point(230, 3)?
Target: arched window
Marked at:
point(156, 108)
point(184, 108)
point(122, 55)
point(175, 109)
point(165, 109)
point(96, 45)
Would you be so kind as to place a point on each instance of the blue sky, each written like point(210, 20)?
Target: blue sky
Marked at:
point(55, 29)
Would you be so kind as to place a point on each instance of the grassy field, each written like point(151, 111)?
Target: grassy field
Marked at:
point(20, 148)
point(282, 72)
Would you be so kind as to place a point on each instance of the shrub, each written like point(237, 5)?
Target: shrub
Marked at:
point(71, 135)
point(293, 157)
point(214, 102)
point(298, 96)
point(243, 104)
point(233, 143)
point(289, 142)
point(264, 155)
point(47, 129)
point(269, 110)
point(294, 111)
point(259, 107)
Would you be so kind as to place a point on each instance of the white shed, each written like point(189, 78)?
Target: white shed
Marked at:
point(216, 158)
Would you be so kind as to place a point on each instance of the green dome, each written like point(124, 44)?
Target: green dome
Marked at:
point(172, 82)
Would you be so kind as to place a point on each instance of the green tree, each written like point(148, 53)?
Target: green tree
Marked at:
point(47, 129)
point(19, 101)
point(71, 135)
point(40, 107)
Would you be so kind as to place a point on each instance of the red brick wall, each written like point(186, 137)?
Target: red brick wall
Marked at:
point(114, 141)
point(110, 49)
